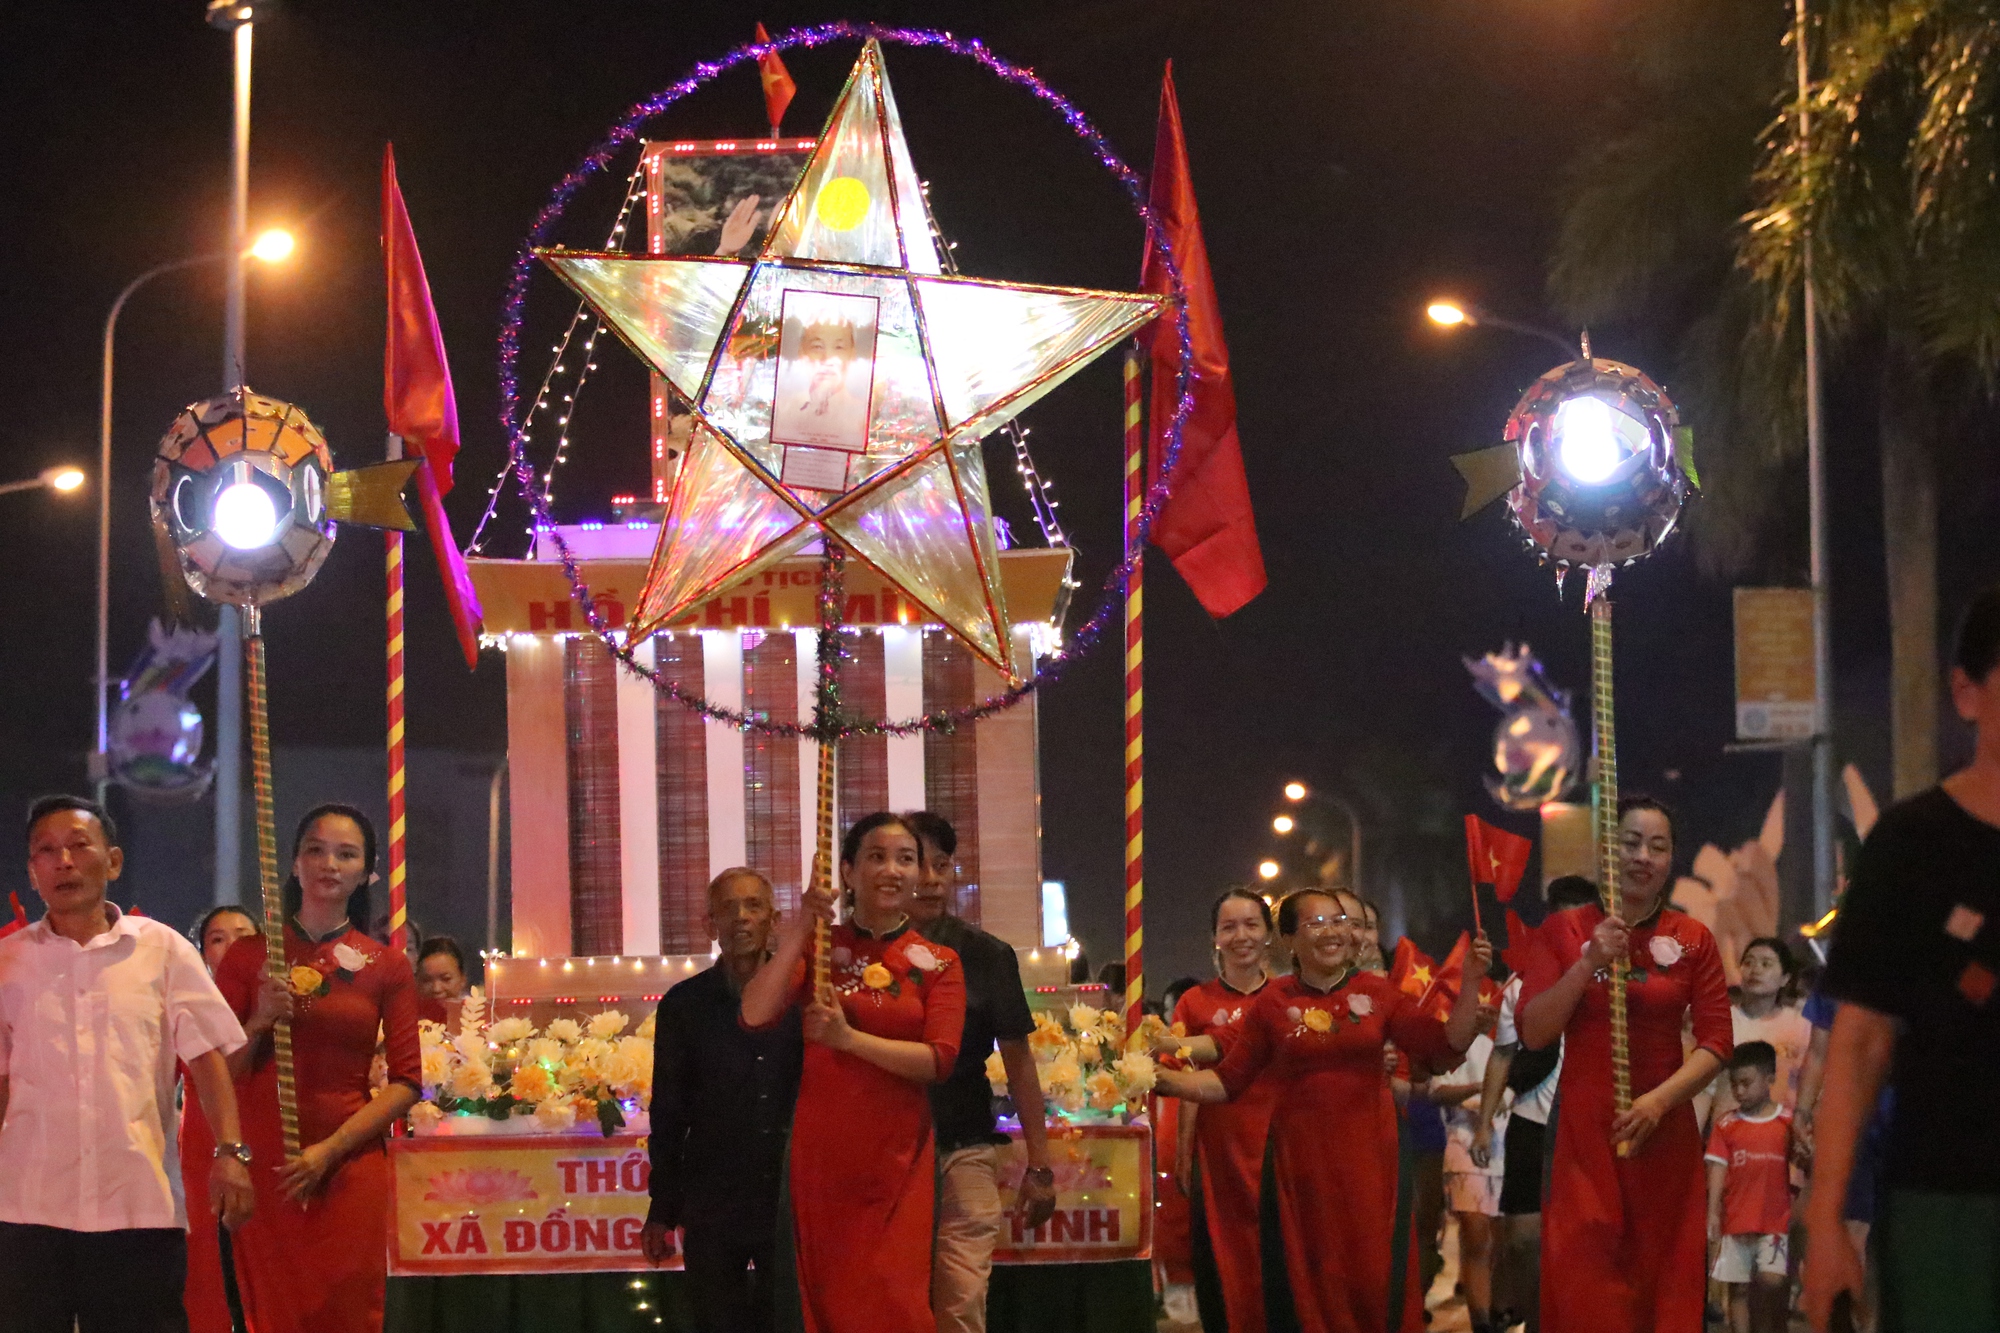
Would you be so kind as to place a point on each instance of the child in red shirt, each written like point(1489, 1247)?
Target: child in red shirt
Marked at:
point(1750, 1194)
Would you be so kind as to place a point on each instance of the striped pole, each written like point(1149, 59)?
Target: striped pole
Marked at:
point(398, 909)
point(1135, 700)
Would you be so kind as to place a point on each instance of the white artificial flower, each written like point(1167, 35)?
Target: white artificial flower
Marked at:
point(1360, 1006)
point(470, 1081)
point(922, 958)
point(564, 1030)
point(1666, 950)
point(1083, 1018)
point(350, 958)
point(508, 1031)
point(645, 1029)
point(470, 1046)
point(543, 1051)
point(1138, 1073)
point(1064, 1072)
point(607, 1024)
point(425, 1117)
point(1295, 1014)
point(437, 1062)
point(556, 1114)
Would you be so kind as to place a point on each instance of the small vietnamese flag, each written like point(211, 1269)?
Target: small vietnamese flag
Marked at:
point(1496, 856)
point(1442, 993)
point(1411, 970)
point(777, 80)
point(1520, 940)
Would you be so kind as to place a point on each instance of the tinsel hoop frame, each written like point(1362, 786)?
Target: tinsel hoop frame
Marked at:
point(625, 132)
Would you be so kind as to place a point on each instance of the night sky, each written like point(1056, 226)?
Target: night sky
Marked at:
point(1351, 161)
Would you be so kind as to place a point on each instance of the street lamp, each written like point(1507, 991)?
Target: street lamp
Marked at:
point(1450, 314)
point(1267, 869)
point(1283, 824)
point(1295, 791)
point(271, 247)
point(63, 479)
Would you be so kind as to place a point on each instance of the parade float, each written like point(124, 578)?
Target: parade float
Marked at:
point(814, 613)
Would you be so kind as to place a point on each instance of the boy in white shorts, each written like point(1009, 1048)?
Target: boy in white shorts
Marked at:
point(1750, 1194)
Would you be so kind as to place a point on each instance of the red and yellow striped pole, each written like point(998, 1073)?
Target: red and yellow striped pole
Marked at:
point(1135, 700)
point(398, 911)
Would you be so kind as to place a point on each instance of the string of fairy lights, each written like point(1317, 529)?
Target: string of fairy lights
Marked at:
point(635, 190)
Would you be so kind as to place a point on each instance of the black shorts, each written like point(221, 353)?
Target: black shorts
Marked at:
point(1521, 1187)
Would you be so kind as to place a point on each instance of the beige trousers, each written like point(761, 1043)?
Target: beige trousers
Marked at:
point(968, 1213)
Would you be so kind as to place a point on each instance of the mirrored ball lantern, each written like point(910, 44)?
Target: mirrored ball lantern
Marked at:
point(240, 488)
point(1600, 480)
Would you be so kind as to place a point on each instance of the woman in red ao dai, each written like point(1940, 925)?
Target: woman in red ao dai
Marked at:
point(1336, 1215)
point(863, 1161)
point(1624, 1239)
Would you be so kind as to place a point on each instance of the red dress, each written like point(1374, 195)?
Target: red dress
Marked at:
point(1229, 1153)
point(1342, 1207)
point(1172, 1248)
point(206, 1302)
point(864, 1171)
point(321, 1268)
point(1624, 1240)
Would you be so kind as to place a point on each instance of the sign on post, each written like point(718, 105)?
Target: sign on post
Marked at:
point(1775, 679)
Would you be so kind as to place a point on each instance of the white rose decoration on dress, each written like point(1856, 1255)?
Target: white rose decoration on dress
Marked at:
point(350, 958)
point(1294, 1014)
point(842, 955)
point(1666, 950)
point(922, 958)
point(1361, 1006)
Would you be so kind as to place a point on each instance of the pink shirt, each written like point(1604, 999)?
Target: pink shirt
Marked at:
point(88, 1038)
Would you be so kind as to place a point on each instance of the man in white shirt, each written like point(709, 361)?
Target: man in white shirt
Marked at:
point(95, 1006)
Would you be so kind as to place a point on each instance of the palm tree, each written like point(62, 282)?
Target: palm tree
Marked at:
point(1696, 210)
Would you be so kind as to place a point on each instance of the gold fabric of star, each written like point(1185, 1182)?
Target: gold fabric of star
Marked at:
point(841, 383)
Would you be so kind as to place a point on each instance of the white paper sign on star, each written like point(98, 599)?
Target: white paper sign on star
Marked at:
point(842, 381)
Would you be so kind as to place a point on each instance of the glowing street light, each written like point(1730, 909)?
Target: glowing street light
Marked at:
point(1283, 824)
point(1447, 313)
point(1295, 791)
point(64, 479)
point(1267, 869)
point(273, 246)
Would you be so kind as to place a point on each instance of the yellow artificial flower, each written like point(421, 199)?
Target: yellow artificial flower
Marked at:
point(876, 977)
point(532, 1083)
point(607, 1024)
point(1319, 1020)
point(996, 1073)
point(305, 980)
point(1103, 1091)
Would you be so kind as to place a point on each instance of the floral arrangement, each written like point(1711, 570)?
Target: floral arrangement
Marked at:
point(1087, 1067)
point(567, 1073)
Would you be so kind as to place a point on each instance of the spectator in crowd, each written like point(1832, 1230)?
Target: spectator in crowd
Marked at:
point(721, 1111)
point(1766, 1010)
point(1532, 1078)
point(442, 980)
point(1472, 1185)
point(1750, 1194)
point(313, 1260)
point(95, 1006)
point(1173, 1173)
point(1915, 960)
point(1623, 1232)
point(969, 1210)
point(1222, 1146)
point(863, 1165)
point(1339, 1249)
point(213, 1305)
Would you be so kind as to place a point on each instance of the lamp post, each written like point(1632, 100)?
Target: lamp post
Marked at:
point(48, 479)
point(1449, 314)
point(270, 247)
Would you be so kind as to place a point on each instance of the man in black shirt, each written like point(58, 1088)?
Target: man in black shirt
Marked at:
point(1915, 965)
point(721, 1115)
point(969, 1213)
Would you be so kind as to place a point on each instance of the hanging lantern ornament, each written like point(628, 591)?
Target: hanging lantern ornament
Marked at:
point(1595, 465)
point(244, 504)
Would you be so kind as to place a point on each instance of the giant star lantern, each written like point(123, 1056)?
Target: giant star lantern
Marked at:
point(841, 383)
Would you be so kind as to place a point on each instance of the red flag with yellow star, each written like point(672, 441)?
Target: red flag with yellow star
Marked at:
point(1496, 856)
point(1411, 970)
point(777, 80)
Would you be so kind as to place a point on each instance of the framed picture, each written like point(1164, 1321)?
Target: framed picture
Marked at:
point(826, 370)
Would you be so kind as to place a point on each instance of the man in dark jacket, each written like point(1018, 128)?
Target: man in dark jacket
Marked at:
point(721, 1116)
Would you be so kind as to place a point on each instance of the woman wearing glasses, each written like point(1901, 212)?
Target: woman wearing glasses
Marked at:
point(1339, 1244)
point(1624, 1238)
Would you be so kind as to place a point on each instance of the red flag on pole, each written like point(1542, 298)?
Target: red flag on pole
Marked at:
point(1438, 999)
point(417, 398)
point(20, 921)
point(1411, 970)
point(1496, 857)
point(1520, 940)
point(1206, 527)
point(777, 80)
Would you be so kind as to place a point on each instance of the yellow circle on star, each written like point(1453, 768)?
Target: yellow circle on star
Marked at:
point(842, 203)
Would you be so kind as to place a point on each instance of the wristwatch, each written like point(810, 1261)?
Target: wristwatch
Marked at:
point(1041, 1175)
point(240, 1151)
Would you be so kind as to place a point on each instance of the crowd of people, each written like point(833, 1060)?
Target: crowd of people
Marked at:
point(824, 1143)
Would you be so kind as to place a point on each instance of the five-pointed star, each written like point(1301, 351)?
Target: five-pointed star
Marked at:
point(841, 382)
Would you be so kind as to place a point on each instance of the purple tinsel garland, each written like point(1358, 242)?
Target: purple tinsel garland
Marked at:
point(627, 130)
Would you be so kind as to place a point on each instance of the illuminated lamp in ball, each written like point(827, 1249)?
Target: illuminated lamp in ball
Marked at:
point(245, 498)
point(1595, 465)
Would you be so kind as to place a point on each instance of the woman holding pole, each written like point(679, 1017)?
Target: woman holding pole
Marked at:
point(1624, 1230)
